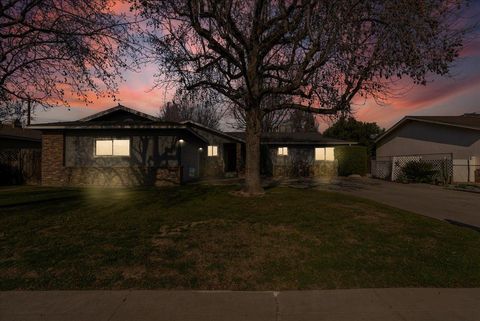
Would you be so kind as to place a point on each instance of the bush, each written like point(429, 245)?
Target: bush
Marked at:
point(419, 172)
point(351, 160)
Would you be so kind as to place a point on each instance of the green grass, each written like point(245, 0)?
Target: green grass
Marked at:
point(198, 237)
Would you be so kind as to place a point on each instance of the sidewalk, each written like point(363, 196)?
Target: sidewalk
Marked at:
point(332, 305)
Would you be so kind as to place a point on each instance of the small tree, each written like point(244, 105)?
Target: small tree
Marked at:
point(348, 128)
point(198, 106)
point(301, 121)
point(310, 55)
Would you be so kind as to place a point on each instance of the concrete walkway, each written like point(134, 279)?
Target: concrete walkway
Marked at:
point(429, 200)
point(332, 305)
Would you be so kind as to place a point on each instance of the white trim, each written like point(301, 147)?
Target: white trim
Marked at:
point(112, 140)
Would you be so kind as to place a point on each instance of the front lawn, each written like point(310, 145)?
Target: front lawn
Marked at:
point(198, 237)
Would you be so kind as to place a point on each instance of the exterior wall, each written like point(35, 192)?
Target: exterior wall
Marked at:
point(69, 158)
point(300, 162)
point(214, 166)
point(122, 176)
point(416, 138)
point(150, 149)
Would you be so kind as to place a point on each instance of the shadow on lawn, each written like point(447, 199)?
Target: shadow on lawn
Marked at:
point(472, 227)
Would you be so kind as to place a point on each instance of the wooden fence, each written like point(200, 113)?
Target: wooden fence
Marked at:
point(20, 166)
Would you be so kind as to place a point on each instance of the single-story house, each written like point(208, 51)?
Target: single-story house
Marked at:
point(13, 136)
point(303, 154)
point(122, 146)
point(452, 138)
point(19, 154)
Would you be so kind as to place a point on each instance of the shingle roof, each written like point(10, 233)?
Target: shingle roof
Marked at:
point(107, 124)
point(296, 138)
point(468, 121)
point(119, 108)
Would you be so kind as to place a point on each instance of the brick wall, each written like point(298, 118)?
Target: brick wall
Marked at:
point(53, 170)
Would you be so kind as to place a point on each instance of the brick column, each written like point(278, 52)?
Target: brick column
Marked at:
point(53, 170)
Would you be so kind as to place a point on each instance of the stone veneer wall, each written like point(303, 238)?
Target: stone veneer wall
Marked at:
point(123, 176)
point(319, 169)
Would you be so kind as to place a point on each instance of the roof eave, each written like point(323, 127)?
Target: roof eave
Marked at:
point(404, 119)
point(90, 126)
point(309, 143)
point(218, 132)
point(31, 139)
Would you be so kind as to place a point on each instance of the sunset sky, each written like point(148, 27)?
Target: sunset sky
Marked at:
point(452, 95)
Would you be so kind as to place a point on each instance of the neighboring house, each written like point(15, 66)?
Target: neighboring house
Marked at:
point(121, 146)
point(16, 137)
point(452, 138)
point(19, 154)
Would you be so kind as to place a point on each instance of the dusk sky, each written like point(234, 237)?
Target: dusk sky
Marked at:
point(455, 94)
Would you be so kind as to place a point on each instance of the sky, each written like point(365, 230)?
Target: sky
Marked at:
point(455, 94)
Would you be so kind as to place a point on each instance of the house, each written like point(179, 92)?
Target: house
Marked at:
point(122, 146)
point(452, 139)
point(298, 154)
point(13, 136)
point(19, 154)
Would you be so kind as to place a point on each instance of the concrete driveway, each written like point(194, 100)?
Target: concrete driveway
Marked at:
point(430, 200)
point(332, 305)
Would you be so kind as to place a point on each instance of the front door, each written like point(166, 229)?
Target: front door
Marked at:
point(230, 157)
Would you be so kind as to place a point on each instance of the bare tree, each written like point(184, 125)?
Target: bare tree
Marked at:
point(271, 122)
point(50, 48)
point(200, 106)
point(301, 121)
point(315, 55)
point(14, 111)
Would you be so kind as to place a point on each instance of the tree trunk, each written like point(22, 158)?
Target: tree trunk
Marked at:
point(253, 184)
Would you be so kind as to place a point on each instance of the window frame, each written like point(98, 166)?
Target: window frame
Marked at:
point(282, 151)
point(324, 154)
point(212, 151)
point(95, 155)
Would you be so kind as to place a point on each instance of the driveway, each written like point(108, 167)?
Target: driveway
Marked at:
point(332, 305)
point(430, 200)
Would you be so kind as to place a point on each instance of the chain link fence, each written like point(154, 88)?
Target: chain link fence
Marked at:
point(466, 170)
point(20, 166)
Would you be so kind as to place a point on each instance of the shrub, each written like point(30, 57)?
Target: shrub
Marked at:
point(419, 171)
point(351, 160)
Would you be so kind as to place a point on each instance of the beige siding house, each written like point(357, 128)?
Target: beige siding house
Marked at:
point(456, 138)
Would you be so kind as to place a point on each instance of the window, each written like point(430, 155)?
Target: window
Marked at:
point(282, 151)
point(324, 153)
point(112, 147)
point(212, 150)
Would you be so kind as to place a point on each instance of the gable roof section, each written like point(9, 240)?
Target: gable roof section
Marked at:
point(468, 121)
point(116, 109)
point(214, 131)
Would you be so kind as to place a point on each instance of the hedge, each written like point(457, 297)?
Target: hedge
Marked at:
point(351, 160)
